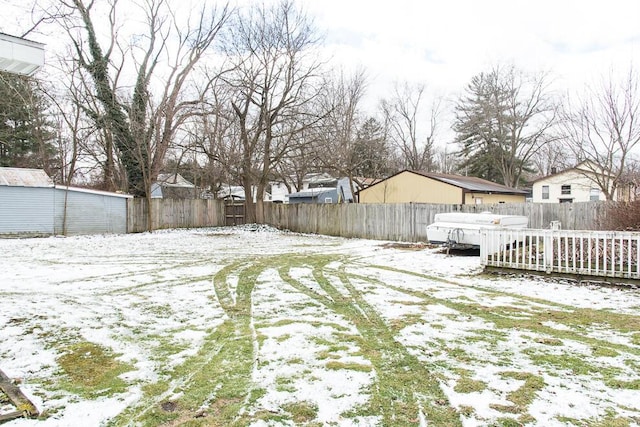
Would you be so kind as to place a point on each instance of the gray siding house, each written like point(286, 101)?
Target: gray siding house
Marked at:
point(317, 195)
point(31, 205)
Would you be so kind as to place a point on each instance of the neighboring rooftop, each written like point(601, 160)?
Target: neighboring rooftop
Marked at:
point(20, 56)
point(471, 183)
point(173, 180)
point(22, 177)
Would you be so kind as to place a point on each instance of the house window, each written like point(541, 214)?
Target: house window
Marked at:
point(565, 189)
point(328, 200)
point(478, 200)
point(545, 192)
point(594, 194)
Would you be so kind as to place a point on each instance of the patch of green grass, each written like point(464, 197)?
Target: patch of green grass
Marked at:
point(283, 337)
point(635, 338)
point(460, 354)
point(255, 395)
point(466, 411)
point(506, 422)
point(602, 351)
point(285, 384)
point(301, 412)
point(468, 385)
point(524, 395)
point(610, 419)
point(91, 370)
point(577, 365)
point(622, 384)
point(521, 398)
point(549, 341)
point(336, 365)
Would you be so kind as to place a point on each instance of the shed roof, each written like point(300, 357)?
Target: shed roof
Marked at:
point(471, 183)
point(22, 177)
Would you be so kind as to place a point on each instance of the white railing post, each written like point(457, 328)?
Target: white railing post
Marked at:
point(547, 263)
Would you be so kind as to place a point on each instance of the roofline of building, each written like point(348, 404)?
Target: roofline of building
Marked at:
point(507, 190)
point(92, 191)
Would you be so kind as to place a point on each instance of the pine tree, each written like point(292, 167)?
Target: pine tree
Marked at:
point(26, 136)
point(501, 121)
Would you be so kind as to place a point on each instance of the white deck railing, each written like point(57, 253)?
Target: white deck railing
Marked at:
point(592, 253)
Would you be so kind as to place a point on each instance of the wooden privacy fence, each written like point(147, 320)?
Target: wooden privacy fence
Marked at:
point(589, 253)
point(405, 222)
point(174, 213)
point(408, 222)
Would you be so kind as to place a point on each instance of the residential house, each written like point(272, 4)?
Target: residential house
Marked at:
point(236, 192)
point(173, 186)
point(280, 192)
point(576, 184)
point(318, 195)
point(410, 186)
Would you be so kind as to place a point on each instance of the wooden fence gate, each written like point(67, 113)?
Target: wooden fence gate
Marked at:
point(234, 213)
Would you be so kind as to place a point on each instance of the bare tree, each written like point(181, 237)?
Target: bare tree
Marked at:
point(552, 157)
point(143, 116)
point(341, 100)
point(273, 81)
point(603, 127)
point(412, 132)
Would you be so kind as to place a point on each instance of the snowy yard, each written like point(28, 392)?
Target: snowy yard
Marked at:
point(237, 327)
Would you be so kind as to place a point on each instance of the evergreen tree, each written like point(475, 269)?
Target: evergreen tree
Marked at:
point(501, 121)
point(370, 151)
point(26, 137)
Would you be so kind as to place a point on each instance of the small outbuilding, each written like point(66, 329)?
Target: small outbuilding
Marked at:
point(26, 202)
point(31, 205)
point(410, 186)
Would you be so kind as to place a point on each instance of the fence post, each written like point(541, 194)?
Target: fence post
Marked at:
point(484, 257)
point(548, 251)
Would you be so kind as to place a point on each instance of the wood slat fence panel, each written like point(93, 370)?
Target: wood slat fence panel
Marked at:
point(405, 222)
point(174, 213)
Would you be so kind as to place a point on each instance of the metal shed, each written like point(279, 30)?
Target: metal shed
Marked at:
point(31, 205)
point(26, 202)
point(84, 211)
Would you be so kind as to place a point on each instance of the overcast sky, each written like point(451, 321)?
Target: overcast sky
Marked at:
point(444, 43)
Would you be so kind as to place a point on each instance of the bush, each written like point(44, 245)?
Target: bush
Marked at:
point(621, 216)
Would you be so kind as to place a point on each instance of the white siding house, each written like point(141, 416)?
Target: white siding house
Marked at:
point(577, 184)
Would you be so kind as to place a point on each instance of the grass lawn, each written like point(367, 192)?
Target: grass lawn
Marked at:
point(225, 327)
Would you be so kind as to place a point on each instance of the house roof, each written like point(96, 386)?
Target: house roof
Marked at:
point(22, 177)
point(173, 180)
point(312, 192)
point(585, 167)
point(471, 184)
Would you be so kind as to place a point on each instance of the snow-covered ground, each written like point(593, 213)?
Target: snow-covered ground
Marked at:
point(133, 294)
